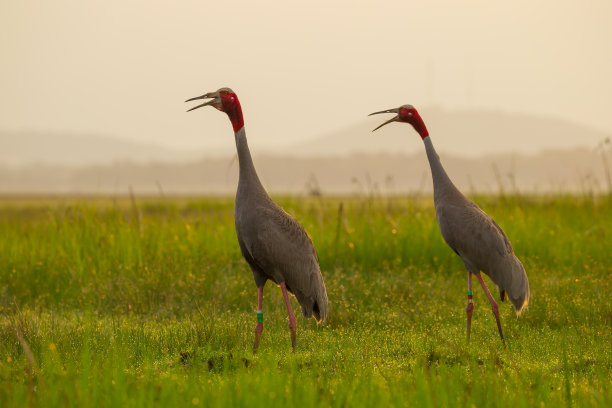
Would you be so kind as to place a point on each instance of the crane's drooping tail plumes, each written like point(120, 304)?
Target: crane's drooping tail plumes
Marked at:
point(315, 302)
point(319, 307)
point(305, 280)
point(514, 284)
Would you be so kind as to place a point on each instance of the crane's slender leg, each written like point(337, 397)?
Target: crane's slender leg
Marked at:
point(292, 320)
point(470, 305)
point(493, 306)
point(259, 327)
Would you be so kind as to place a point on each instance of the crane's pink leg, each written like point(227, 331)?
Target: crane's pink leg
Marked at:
point(259, 327)
point(470, 305)
point(493, 306)
point(292, 320)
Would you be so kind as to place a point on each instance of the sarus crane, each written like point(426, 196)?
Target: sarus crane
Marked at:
point(470, 232)
point(273, 243)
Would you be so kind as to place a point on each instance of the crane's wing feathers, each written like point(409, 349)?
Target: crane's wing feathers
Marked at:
point(506, 246)
point(472, 233)
point(258, 270)
point(280, 241)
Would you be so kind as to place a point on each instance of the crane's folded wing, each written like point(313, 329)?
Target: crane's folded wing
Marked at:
point(473, 233)
point(282, 248)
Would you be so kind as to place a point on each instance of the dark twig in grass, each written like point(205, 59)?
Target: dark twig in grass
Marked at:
point(136, 214)
point(313, 189)
point(338, 231)
point(568, 387)
point(602, 148)
point(160, 190)
point(390, 186)
point(500, 182)
point(512, 178)
point(471, 184)
point(31, 366)
point(211, 326)
point(164, 198)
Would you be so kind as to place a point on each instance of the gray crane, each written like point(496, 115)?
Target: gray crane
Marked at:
point(274, 244)
point(469, 231)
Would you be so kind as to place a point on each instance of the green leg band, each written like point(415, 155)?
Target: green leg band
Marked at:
point(469, 292)
point(259, 317)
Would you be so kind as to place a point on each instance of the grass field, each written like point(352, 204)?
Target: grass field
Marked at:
point(113, 302)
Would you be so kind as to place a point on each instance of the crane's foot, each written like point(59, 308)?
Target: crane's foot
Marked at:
point(258, 331)
point(468, 310)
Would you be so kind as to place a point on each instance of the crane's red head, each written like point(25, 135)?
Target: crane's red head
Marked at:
point(407, 114)
point(226, 101)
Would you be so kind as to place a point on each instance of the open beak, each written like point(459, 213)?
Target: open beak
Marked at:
point(215, 101)
point(394, 119)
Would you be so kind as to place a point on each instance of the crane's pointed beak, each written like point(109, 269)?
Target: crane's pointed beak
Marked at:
point(394, 119)
point(215, 101)
point(205, 96)
point(203, 104)
point(394, 110)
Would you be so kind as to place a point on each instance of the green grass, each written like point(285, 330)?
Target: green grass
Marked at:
point(107, 302)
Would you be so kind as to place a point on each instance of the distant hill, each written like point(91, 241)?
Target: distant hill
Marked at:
point(25, 148)
point(467, 133)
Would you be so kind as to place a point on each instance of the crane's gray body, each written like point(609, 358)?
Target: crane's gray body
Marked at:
point(273, 243)
point(475, 236)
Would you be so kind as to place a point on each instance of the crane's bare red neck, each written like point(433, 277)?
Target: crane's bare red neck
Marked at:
point(410, 115)
point(231, 105)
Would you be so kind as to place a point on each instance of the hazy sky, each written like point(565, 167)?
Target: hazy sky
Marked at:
point(124, 68)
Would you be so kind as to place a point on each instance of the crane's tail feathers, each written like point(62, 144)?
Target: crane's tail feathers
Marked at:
point(517, 287)
point(512, 282)
point(313, 297)
point(316, 312)
point(319, 308)
point(523, 307)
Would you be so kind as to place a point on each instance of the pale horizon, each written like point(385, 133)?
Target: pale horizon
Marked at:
point(301, 71)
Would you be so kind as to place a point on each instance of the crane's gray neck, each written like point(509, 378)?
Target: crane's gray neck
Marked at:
point(441, 182)
point(248, 176)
